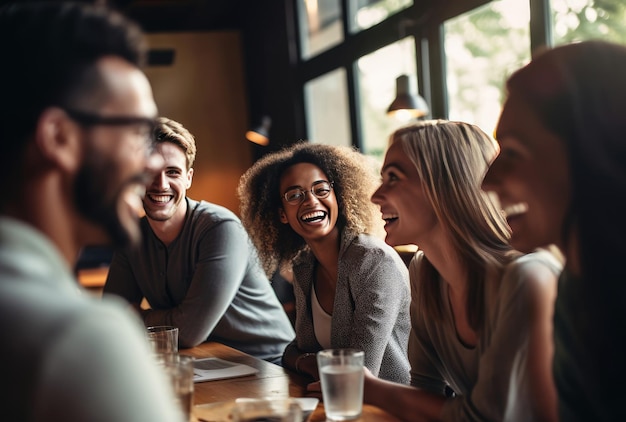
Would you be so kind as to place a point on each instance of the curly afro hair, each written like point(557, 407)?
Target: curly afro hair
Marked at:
point(354, 176)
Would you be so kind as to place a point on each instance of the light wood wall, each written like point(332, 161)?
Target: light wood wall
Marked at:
point(204, 90)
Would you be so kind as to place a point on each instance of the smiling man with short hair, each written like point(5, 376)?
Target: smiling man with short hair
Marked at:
point(197, 268)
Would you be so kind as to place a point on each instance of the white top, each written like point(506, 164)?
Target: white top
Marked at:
point(65, 355)
point(490, 378)
point(321, 321)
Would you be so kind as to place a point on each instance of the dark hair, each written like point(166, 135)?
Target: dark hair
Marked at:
point(48, 54)
point(578, 91)
point(354, 179)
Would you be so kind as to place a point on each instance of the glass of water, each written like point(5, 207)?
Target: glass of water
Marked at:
point(163, 338)
point(179, 371)
point(341, 375)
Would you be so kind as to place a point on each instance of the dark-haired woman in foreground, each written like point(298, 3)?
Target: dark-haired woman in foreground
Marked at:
point(561, 177)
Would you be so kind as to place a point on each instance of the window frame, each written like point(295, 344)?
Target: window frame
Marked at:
point(427, 19)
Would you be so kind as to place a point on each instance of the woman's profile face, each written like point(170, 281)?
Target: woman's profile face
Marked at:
point(311, 207)
point(409, 217)
point(530, 176)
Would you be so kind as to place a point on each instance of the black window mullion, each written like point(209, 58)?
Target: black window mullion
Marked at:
point(354, 101)
point(540, 25)
point(437, 67)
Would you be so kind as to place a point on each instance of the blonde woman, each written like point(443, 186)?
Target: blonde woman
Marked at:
point(481, 312)
point(308, 206)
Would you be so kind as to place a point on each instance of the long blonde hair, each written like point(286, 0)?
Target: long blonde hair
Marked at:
point(451, 159)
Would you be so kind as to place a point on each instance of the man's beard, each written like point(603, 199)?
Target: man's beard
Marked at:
point(98, 200)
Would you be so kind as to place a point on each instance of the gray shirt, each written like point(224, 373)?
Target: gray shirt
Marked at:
point(371, 309)
point(208, 282)
point(481, 376)
point(66, 356)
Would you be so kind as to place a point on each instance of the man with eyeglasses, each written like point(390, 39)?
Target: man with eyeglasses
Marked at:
point(76, 116)
point(197, 268)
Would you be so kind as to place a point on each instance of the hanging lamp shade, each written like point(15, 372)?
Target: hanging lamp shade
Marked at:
point(260, 134)
point(407, 105)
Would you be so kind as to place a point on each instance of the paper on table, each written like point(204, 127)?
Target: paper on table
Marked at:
point(208, 369)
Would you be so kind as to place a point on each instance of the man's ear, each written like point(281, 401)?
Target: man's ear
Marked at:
point(189, 178)
point(283, 216)
point(58, 139)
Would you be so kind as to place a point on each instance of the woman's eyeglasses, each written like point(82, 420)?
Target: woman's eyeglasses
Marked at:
point(319, 189)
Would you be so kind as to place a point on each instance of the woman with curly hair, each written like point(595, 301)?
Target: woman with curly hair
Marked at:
point(308, 206)
point(480, 346)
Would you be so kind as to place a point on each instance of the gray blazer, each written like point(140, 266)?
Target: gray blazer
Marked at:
point(371, 310)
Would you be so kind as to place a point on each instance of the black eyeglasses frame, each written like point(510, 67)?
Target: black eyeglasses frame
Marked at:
point(87, 119)
point(93, 119)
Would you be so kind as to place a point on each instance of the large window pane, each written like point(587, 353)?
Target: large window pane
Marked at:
point(320, 24)
point(327, 112)
point(483, 47)
point(367, 13)
point(377, 74)
point(579, 20)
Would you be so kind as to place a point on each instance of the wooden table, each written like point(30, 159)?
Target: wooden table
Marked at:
point(271, 381)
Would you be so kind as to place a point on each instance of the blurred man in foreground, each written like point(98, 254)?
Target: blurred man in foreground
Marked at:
point(76, 120)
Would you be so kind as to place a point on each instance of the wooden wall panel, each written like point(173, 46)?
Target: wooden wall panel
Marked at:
point(204, 90)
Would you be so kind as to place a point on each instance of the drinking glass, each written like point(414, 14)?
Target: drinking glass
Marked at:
point(163, 338)
point(179, 370)
point(341, 375)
